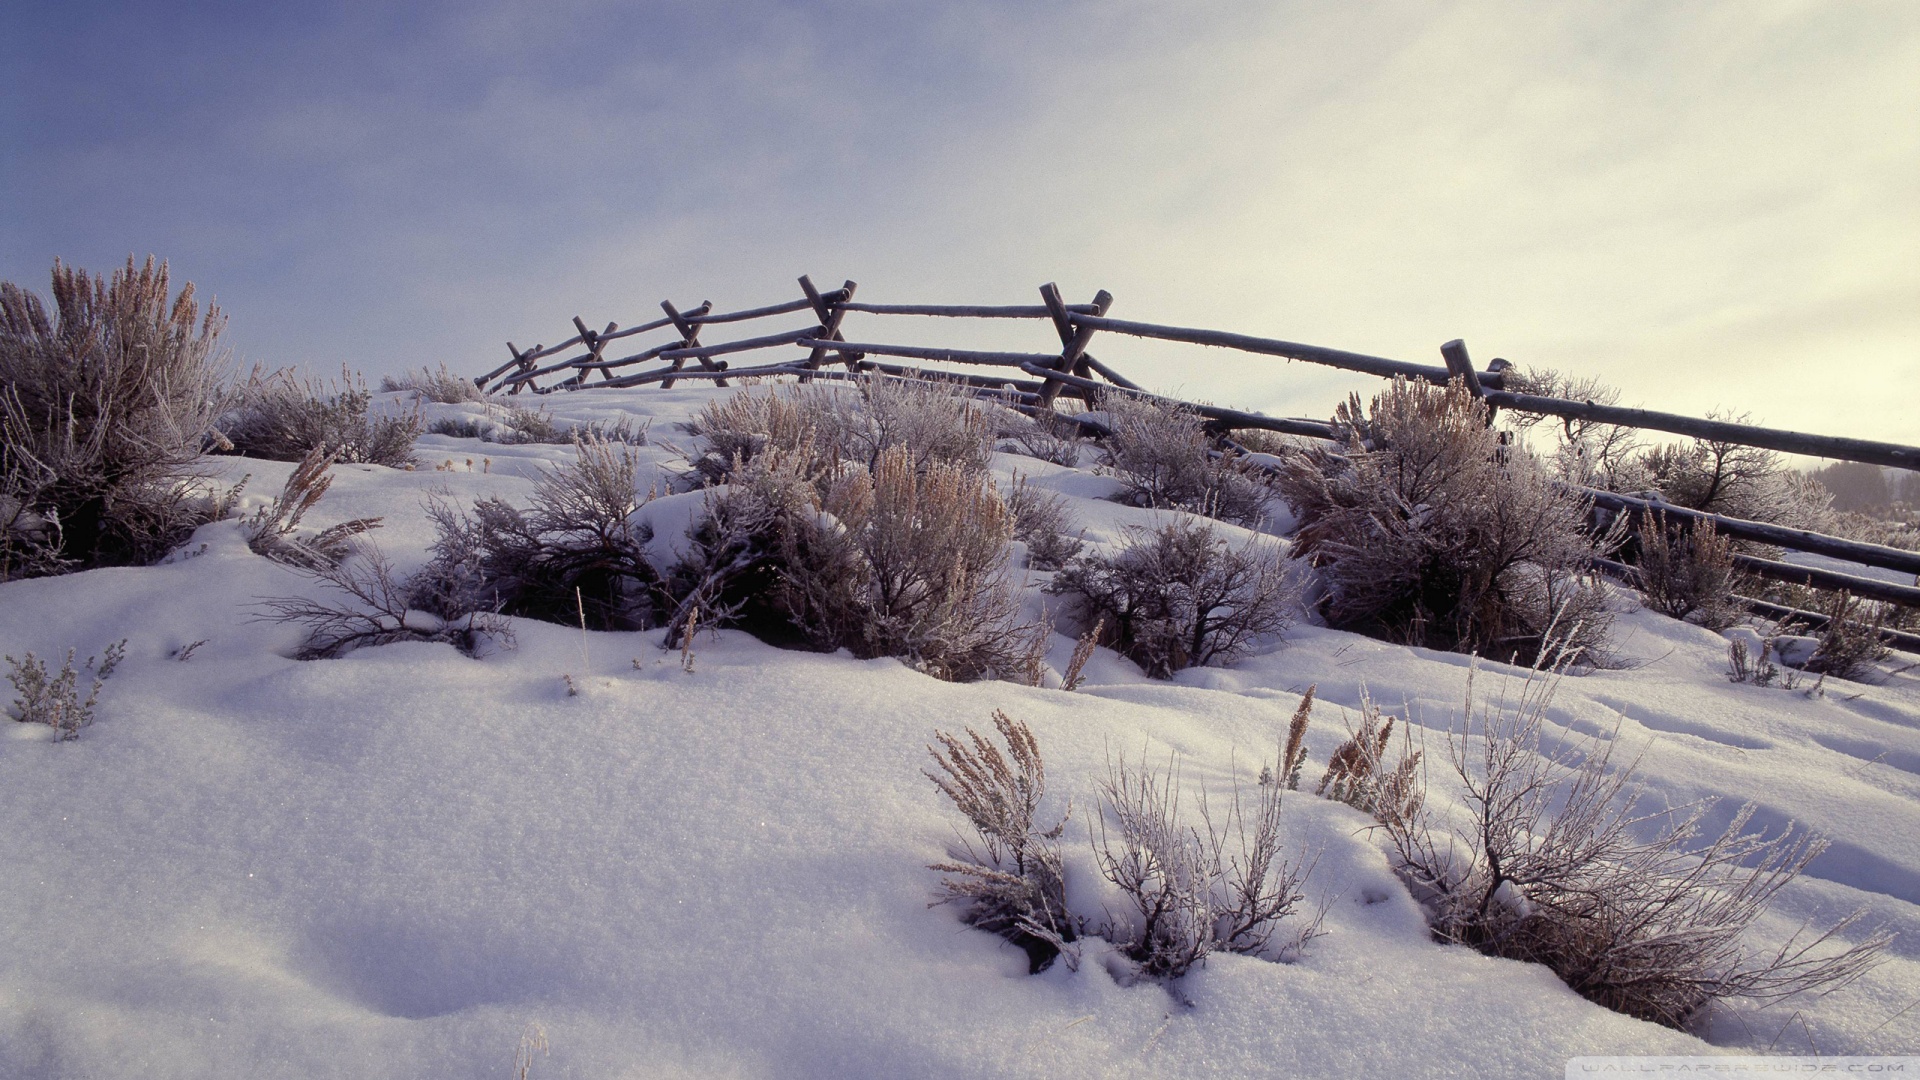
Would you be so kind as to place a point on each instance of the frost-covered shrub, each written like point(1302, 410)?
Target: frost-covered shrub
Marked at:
point(896, 561)
point(54, 699)
point(1013, 883)
point(366, 606)
point(1041, 521)
point(1554, 862)
point(1428, 529)
point(274, 529)
point(1734, 480)
point(1849, 643)
point(105, 405)
point(277, 417)
point(574, 548)
point(1164, 456)
point(1687, 571)
point(439, 385)
point(818, 426)
point(1180, 596)
point(1221, 887)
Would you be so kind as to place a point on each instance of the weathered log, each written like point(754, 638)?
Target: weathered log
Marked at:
point(1814, 620)
point(689, 335)
point(1292, 350)
point(1870, 588)
point(967, 311)
point(831, 309)
point(1460, 366)
point(1073, 338)
point(701, 352)
point(1224, 419)
point(1111, 375)
point(1889, 558)
point(1791, 442)
point(750, 313)
point(956, 356)
point(641, 329)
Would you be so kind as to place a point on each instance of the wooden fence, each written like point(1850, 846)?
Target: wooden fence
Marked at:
point(824, 352)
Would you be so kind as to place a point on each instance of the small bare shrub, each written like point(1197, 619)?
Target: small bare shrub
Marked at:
point(1192, 891)
point(1180, 596)
point(1849, 643)
point(460, 427)
point(1429, 530)
point(105, 405)
point(1164, 456)
point(277, 417)
point(54, 699)
point(1360, 775)
point(1734, 480)
point(1687, 571)
point(1744, 667)
point(274, 530)
point(1041, 521)
point(1013, 883)
point(1591, 454)
point(368, 607)
point(574, 548)
point(1555, 864)
point(439, 385)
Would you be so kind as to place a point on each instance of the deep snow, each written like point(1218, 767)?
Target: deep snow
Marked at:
point(393, 863)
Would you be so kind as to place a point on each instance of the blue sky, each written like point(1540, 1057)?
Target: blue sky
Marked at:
point(1707, 203)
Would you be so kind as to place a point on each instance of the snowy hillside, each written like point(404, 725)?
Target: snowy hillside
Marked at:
point(400, 862)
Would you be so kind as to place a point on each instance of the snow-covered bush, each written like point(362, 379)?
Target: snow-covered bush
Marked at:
point(1181, 596)
point(1221, 887)
point(274, 529)
point(1428, 529)
point(824, 425)
point(1687, 571)
point(1013, 883)
point(899, 561)
point(277, 417)
point(366, 606)
point(54, 699)
point(105, 405)
point(439, 385)
point(1164, 456)
point(1555, 862)
point(1042, 521)
point(1849, 643)
point(575, 549)
point(1734, 480)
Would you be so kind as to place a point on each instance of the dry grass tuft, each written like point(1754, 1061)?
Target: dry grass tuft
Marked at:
point(1013, 882)
point(274, 530)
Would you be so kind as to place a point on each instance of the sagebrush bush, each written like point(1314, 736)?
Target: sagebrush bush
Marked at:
point(817, 426)
point(1687, 571)
point(1734, 480)
point(574, 549)
point(1554, 862)
point(1849, 643)
point(277, 417)
point(1181, 596)
point(439, 385)
point(1046, 436)
point(1428, 529)
point(896, 561)
point(1220, 887)
point(1165, 457)
point(105, 406)
point(1014, 882)
point(54, 699)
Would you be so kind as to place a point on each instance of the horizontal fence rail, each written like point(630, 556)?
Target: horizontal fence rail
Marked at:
point(1073, 371)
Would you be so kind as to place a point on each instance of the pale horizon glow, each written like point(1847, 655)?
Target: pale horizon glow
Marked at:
point(1712, 205)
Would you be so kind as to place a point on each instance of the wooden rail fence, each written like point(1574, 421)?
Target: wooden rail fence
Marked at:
point(1072, 370)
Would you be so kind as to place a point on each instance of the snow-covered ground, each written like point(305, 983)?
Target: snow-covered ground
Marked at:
point(397, 862)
